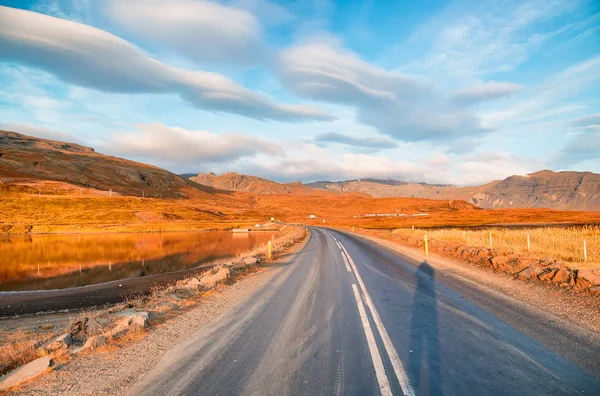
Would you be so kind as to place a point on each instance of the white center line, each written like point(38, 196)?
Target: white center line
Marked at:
point(382, 379)
point(346, 262)
point(387, 342)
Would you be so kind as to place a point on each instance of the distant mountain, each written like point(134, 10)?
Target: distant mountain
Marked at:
point(544, 189)
point(29, 158)
point(377, 188)
point(253, 184)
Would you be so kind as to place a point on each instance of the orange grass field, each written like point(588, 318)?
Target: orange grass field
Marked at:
point(64, 210)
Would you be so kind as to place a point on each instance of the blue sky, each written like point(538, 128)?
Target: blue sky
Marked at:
point(460, 92)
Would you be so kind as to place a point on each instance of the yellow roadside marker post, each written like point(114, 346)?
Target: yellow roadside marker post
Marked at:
point(269, 251)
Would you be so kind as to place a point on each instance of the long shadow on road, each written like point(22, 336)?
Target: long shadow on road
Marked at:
point(425, 357)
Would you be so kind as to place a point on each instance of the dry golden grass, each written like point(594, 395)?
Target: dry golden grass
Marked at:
point(560, 243)
point(18, 348)
point(62, 211)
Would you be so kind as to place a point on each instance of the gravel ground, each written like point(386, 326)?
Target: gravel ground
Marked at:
point(112, 373)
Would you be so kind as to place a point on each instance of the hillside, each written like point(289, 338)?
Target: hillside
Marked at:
point(29, 159)
point(544, 189)
point(252, 184)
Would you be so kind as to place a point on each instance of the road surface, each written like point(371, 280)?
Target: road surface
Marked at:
point(348, 317)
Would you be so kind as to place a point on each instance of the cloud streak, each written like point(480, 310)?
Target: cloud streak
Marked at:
point(487, 91)
point(85, 56)
point(403, 107)
point(201, 30)
point(367, 142)
point(177, 145)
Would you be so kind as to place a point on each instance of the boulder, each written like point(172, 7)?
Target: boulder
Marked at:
point(595, 289)
point(77, 326)
point(529, 272)
point(547, 275)
point(562, 276)
point(57, 343)
point(245, 261)
point(95, 342)
point(129, 320)
point(189, 283)
point(25, 373)
point(592, 276)
point(119, 307)
point(94, 327)
point(500, 263)
point(209, 281)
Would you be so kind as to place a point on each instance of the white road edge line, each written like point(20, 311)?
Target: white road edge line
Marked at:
point(382, 379)
point(387, 342)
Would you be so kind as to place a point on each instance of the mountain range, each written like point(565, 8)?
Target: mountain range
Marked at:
point(26, 158)
point(544, 189)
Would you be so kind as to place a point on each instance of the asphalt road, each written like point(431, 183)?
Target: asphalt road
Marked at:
point(347, 317)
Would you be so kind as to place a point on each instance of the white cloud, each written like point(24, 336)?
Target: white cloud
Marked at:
point(362, 142)
point(174, 145)
point(491, 90)
point(398, 105)
point(82, 55)
point(201, 30)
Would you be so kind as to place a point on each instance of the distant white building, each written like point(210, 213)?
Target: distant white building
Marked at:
point(312, 217)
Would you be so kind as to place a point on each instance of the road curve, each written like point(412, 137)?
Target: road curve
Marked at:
point(348, 317)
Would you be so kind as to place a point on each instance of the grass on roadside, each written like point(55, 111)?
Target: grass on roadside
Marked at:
point(561, 243)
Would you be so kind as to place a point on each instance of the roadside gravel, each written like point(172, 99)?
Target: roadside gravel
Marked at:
point(113, 372)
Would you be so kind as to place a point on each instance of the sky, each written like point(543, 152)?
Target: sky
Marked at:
point(453, 92)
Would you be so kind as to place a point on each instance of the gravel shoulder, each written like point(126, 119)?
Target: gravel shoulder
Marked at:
point(112, 372)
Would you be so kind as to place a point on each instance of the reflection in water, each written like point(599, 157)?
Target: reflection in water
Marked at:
point(425, 359)
point(44, 262)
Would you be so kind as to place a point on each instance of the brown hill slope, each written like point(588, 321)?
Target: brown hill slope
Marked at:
point(544, 189)
point(28, 158)
point(253, 184)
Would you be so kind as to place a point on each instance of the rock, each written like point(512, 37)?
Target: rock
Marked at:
point(95, 342)
point(119, 308)
point(529, 273)
point(25, 373)
point(499, 262)
point(592, 276)
point(94, 327)
point(595, 289)
point(61, 342)
point(129, 320)
point(77, 326)
point(245, 261)
point(547, 275)
point(562, 276)
point(209, 281)
point(190, 283)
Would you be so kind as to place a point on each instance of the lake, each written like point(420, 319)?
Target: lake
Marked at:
point(47, 262)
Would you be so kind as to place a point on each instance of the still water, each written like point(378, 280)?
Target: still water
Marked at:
point(46, 262)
